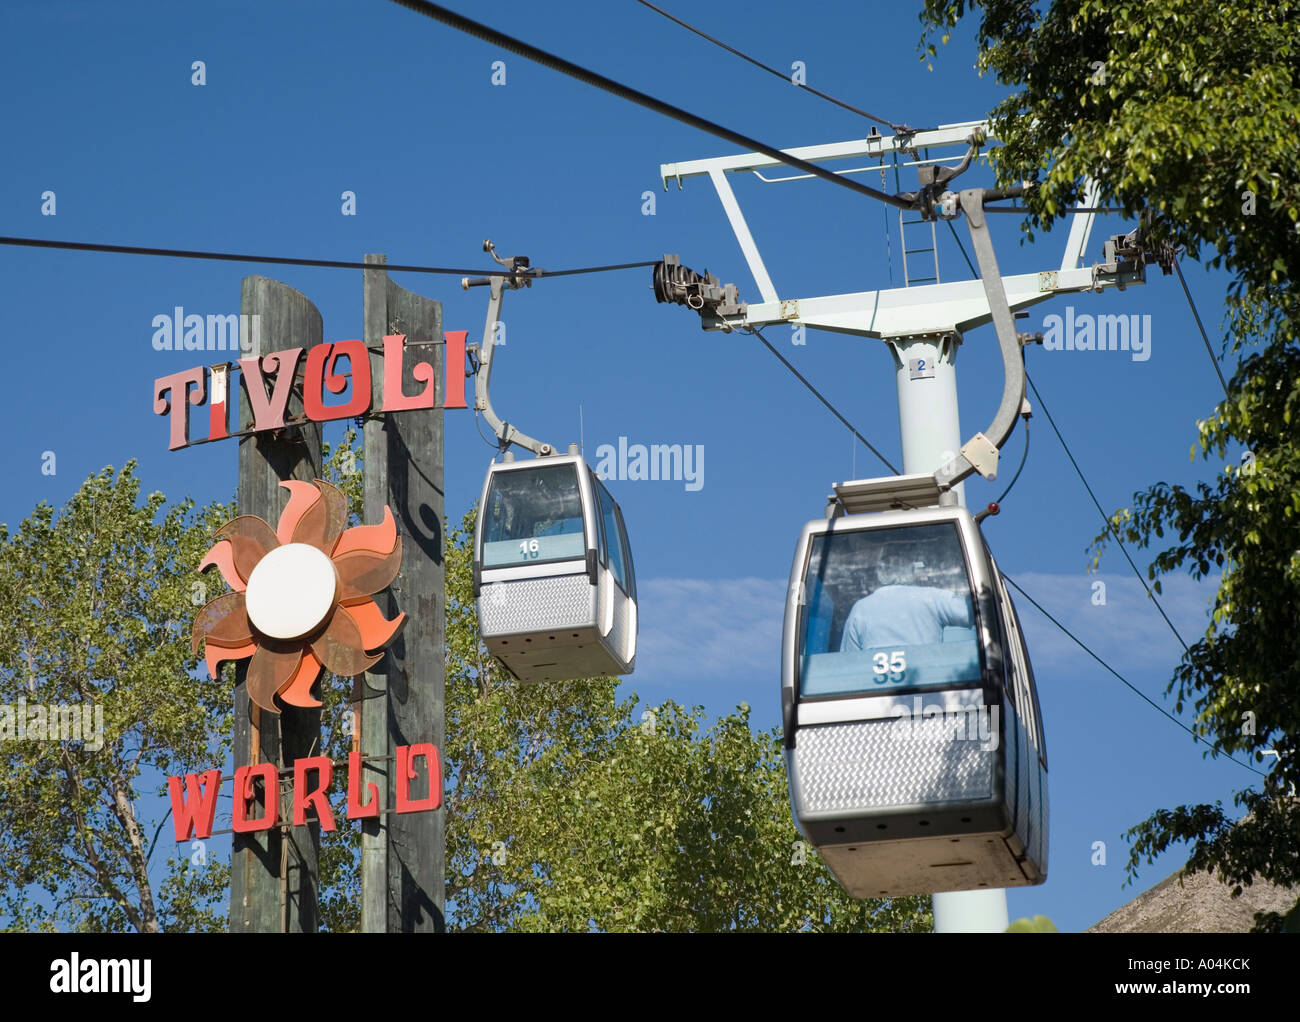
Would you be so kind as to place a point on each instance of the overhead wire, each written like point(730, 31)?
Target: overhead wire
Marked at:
point(957, 238)
point(818, 394)
point(1204, 336)
point(901, 129)
point(332, 264)
point(471, 27)
point(1109, 527)
point(1024, 456)
point(479, 429)
point(588, 77)
point(1082, 645)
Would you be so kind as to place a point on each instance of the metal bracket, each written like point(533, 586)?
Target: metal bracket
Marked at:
point(980, 451)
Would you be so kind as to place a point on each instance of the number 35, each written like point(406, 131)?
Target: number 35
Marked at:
point(890, 663)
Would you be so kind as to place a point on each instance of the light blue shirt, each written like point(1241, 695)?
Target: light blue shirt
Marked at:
point(904, 616)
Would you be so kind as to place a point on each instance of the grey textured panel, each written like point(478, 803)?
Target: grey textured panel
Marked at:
point(875, 763)
point(537, 605)
point(618, 627)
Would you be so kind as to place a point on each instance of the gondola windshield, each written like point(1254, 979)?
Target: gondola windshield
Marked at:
point(886, 609)
point(533, 516)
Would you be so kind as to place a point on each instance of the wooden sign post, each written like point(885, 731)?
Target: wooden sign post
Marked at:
point(275, 876)
point(403, 856)
point(274, 873)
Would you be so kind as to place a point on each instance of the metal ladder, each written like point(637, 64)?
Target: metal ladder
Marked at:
point(903, 225)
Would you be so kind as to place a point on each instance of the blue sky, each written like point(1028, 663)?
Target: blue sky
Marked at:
point(305, 101)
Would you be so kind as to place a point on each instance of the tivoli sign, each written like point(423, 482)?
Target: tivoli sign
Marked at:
point(174, 394)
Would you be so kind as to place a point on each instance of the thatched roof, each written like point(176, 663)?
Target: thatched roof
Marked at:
point(1200, 903)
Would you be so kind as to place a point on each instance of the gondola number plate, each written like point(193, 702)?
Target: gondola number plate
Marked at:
point(920, 368)
point(893, 664)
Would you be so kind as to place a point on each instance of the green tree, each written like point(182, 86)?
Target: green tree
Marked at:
point(95, 610)
point(566, 807)
point(1187, 113)
point(1039, 924)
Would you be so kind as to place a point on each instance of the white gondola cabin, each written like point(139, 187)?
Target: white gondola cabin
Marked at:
point(554, 584)
point(914, 742)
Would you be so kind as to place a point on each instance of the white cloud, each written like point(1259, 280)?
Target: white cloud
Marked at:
point(1127, 631)
point(700, 631)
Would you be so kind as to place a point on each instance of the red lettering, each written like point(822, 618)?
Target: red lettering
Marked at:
point(321, 374)
point(194, 811)
point(316, 798)
point(394, 399)
point(244, 793)
point(218, 389)
point(194, 803)
point(172, 396)
point(406, 772)
point(454, 383)
point(269, 413)
point(357, 811)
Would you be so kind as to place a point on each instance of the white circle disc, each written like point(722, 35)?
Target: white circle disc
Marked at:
point(290, 591)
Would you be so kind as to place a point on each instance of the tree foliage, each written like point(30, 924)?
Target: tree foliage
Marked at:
point(95, 610)
point(567, 808)
point(1187, 113)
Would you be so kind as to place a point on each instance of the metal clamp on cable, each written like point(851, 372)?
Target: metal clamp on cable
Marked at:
point(677, 284)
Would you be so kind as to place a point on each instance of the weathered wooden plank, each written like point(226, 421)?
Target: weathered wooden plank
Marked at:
point(416, 679)
point(273, 886)
point(403, 886)
point(374, 706)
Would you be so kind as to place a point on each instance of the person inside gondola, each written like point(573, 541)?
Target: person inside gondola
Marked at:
point(901, 613)
point(557, 505)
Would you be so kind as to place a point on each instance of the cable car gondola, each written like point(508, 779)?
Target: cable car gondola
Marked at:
point(553, 576)
point(554, 585)
point(914, 741)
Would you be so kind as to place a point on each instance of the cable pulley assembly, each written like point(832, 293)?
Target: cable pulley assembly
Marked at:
point(672, 282)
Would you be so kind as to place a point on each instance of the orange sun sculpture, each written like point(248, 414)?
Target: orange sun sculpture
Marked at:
point(302, 595)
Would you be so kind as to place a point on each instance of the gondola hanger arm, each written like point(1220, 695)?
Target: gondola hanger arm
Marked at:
point(980, 453)
point(506, 434)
